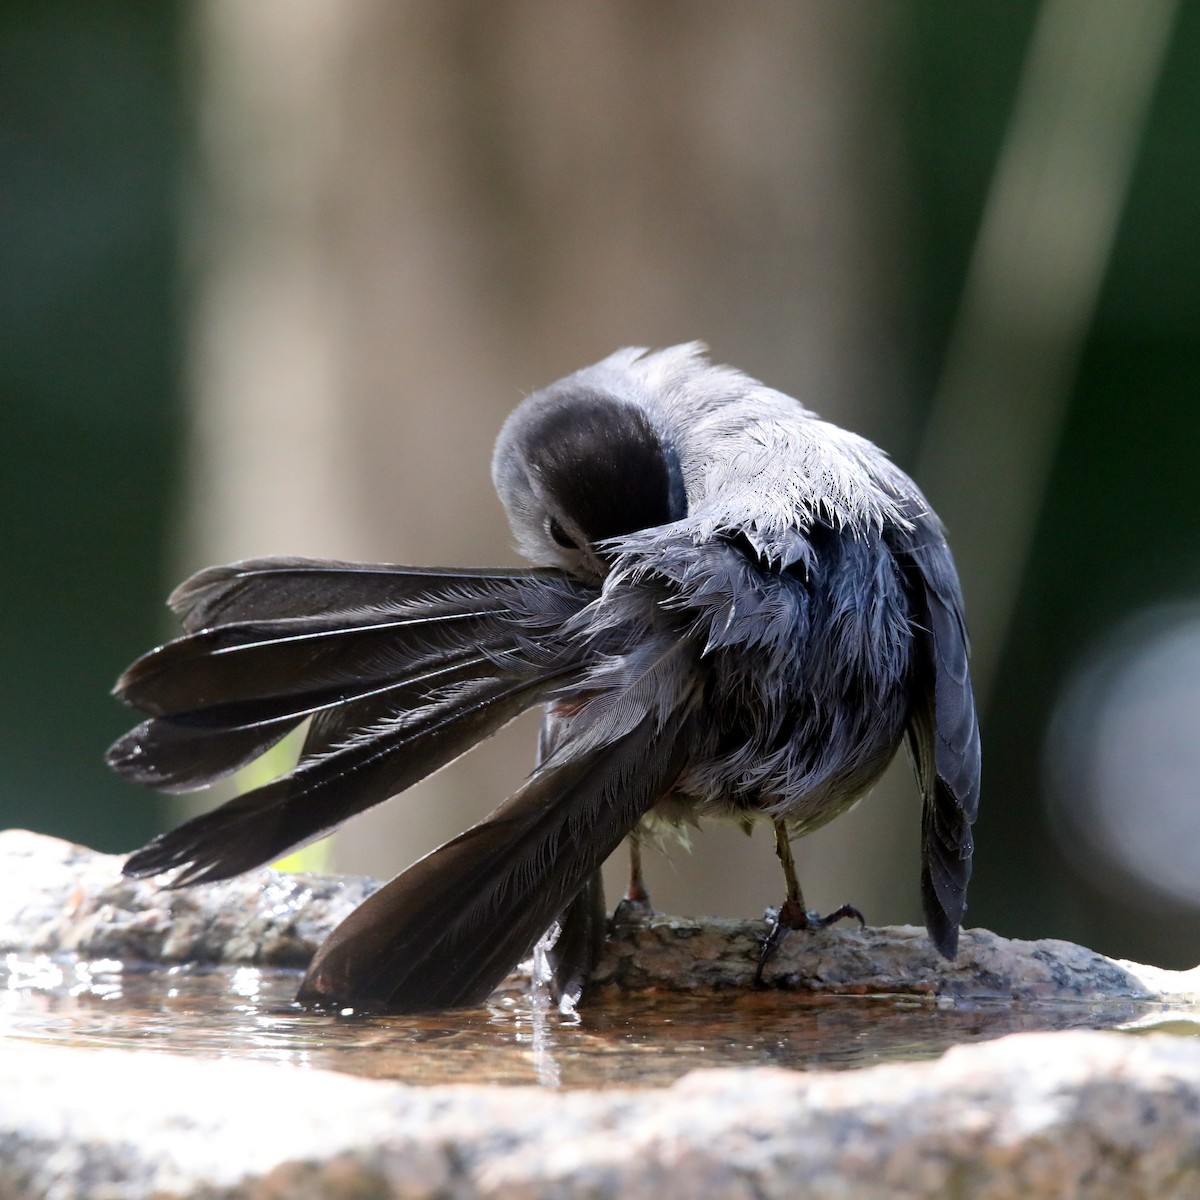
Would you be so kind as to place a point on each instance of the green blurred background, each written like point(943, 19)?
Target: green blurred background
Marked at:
point(111, 171)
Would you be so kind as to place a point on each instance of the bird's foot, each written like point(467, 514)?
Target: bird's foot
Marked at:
point(631, 910)
point(795, 916)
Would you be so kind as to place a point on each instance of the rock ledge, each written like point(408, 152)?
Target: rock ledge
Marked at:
point(58, 898)
point(1029, 1116)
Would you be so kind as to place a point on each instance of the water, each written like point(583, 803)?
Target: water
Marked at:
point(643, 1039)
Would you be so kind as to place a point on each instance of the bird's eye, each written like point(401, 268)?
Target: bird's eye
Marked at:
point(560, 535)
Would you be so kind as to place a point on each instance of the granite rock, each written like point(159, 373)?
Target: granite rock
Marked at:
point(1092, 1116)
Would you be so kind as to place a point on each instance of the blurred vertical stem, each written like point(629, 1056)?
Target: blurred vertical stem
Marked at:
point(1044, 242)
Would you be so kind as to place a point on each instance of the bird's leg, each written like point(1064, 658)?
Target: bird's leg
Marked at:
point(636, 901)
point(636, 892)
point(793, 914)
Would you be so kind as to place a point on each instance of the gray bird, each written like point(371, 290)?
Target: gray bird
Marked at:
point(738, 611)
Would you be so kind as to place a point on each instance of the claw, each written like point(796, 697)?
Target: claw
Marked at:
point(792, 915)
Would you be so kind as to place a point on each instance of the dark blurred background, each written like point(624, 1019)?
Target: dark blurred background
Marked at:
point(273, 273)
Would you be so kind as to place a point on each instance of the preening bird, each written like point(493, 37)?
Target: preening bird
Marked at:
point(738, 610)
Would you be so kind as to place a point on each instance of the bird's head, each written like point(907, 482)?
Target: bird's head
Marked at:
point(578, 463)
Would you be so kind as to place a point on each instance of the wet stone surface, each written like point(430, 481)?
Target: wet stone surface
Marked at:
point(646, 1038)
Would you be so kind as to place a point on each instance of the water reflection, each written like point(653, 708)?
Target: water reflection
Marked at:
point(645, 1039)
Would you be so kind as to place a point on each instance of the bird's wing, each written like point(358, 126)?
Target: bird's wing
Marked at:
point(943, 732)
point(397, 682)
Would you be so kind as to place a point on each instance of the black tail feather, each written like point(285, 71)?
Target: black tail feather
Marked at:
point(174, 757)
point(269, 588)
point(311, 661)
point(188, 750)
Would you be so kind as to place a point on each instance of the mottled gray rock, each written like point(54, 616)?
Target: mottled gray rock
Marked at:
point(59, 898)
point(1084, 1115)
point(665, 951)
